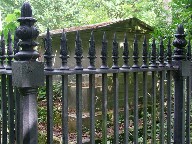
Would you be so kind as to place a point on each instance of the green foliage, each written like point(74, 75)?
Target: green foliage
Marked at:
point(56, 91)
point(42, 138)
point(42, 111)
point(182, 14)
point(163, 15)
point(10, 22)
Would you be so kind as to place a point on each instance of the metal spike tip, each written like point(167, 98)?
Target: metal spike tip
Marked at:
point(92, 36)
point(9, 33)
point(169, 41)
point(125, 37)
point(26, 10)
point(63, 35)
point(161, 41)
point(2, 36)
point(180, 29)
point(77, 36)
point(47, 30)
point(104, 37)
point(115, 37)
point(48, 34)
point(189, 48)
point(9, 37)
point(153, 40)
point(145, 40)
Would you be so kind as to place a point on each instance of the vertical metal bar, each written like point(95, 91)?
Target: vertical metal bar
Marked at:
point(0, 129)
point(169, 107)
point(188, 109)
point(116, 108)
point(179, 98)
point(4, 108)
point(104, 108)
point(11, 112)
point(2, 58)
point(92, 57)
point(79, 107)
point(65, 109)
point(144, 65)
point(153, 95)
point(162, 76)
point(0, 123)
point(18, 118)
point(92, 107)
point(135, 82)
point(153, 107)
point(179, 111)
point(144, 107)
point(188, 86)
point(135, 79)
point(29, 108)
point(49, 94)
point(126, 109)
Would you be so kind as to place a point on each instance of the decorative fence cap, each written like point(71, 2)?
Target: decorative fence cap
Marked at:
point(180, 43)
point(27, 32)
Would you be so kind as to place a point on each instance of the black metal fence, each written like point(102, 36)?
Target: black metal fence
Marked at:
point(21, 78)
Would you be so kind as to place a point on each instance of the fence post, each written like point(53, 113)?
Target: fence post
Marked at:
point(179, 61)
point(28, 75)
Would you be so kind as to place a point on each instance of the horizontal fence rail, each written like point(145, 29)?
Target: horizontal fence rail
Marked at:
point(147, 99)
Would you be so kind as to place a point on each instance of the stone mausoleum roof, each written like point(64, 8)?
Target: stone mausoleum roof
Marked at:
point(128, 25)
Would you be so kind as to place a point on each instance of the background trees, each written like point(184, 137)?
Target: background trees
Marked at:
point(163, 15)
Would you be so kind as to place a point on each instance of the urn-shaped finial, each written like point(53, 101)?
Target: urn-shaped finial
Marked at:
point(27, 33)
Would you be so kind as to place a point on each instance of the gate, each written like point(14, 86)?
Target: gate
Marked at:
point(21, 78)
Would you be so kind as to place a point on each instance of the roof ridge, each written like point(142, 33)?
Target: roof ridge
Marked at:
point(97, 25)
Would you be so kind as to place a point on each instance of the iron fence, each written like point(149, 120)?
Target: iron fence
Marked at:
point(21, 77)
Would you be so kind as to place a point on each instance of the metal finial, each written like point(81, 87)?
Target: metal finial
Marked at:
point(169, 54)
point(2, 51)
point(104, 37)
point(126, 53)
point(92, 52)
point(115, 53)
point(2, 45)
point(161, 53)
point(180, 43)
point(189, 51)
point(78, 52)
point(16, 47)
point(64, 52)
point(145, 53)
point(135, 53)
point(26, 10)
point(48, 43)
point(9, 44)
point(104, 53)
point(180, 29)
point(27, 33)
point(153, 55)
point(9, 52)
point(48, 51)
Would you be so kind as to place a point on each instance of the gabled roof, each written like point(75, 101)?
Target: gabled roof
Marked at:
point(130, 25)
